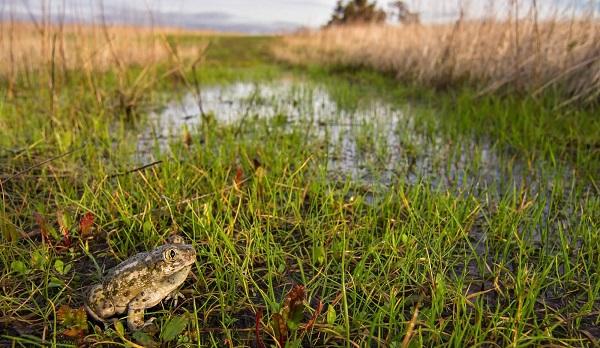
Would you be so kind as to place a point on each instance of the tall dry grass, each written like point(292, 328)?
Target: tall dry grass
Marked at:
point(31, 46)
point(525, 55)
point(44, 55)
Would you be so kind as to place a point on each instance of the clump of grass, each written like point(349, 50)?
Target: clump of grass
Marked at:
point(521, 55)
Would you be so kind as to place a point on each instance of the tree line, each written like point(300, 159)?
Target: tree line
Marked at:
point(364, 11)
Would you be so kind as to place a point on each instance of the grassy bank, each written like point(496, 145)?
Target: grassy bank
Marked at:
point(507, 257)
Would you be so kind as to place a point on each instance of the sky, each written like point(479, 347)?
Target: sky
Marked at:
point(255, 16)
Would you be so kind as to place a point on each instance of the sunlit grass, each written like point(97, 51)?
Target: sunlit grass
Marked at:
point(508, 263)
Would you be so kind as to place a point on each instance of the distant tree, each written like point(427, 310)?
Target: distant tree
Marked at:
point(401, 11)
point(356, 11)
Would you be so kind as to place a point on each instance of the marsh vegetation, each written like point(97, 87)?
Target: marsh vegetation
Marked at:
point(336, 195)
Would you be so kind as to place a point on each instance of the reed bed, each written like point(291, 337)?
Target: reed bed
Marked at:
point(526, 55)
point(118, 65)
point(30, 46)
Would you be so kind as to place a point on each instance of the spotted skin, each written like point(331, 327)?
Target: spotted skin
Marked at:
point(141, 282)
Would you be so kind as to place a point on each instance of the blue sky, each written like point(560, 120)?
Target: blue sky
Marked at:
point(254, 15)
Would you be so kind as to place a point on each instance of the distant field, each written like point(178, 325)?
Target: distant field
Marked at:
point(413, 209)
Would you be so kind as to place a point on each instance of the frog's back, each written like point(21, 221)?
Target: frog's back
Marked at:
point(129, 278)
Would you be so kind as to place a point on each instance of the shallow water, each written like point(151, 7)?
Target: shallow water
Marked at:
point(379, 144)
point(375, 144)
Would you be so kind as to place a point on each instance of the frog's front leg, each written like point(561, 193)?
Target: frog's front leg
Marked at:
point(135, 319)
point(135, 313)
point(174, 296)
point(171, 284)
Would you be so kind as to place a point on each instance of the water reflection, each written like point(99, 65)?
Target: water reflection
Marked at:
point(375, 144)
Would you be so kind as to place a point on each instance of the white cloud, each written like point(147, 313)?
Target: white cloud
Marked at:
point(265, 15)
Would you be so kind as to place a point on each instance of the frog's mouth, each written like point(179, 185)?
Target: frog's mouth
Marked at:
point(178, 266)
point(191, 261)
point(189, 257)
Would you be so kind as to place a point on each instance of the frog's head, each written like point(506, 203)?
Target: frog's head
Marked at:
point(174, 257)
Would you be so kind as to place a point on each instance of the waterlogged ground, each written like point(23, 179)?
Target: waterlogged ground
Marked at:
point(400, 233)
point(372, 149)
point(376, 143)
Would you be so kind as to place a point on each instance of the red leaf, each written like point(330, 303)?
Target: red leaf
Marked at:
point(41, 222)
point(312, 320)
point(293, 302)
point(239, 176)
point(291, 312)
point(259, 341)
point(66, 240)
point(86, 223)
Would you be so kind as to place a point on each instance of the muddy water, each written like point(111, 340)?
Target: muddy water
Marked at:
point(374, 144)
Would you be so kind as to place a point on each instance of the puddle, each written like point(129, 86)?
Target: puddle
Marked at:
point(375, 144)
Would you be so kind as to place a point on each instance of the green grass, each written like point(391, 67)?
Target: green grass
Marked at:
point(510, 263)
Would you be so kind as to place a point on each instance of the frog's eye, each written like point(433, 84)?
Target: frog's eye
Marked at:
point(170, 254)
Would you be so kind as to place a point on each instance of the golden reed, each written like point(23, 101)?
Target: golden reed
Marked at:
point(525, 55)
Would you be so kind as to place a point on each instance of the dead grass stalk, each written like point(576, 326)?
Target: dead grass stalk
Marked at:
point(528, 54)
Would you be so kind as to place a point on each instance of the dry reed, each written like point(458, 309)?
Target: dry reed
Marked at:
point(44, 54)
point(29, 46)
point(525, 55)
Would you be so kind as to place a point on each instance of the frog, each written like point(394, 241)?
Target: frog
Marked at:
point(141, 282)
